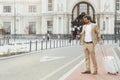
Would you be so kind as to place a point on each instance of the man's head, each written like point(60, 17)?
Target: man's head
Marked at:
point(87, 19)
point(83, 14)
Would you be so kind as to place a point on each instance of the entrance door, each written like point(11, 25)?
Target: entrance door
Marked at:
point(83, 7)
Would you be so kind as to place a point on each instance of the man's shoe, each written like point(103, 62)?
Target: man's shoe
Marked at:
point(94, 73)
point(86, 72)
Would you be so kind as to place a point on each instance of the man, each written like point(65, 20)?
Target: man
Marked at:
point(80, 20)
point(90, 36)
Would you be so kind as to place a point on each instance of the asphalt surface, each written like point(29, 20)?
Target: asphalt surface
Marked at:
point(49, 64)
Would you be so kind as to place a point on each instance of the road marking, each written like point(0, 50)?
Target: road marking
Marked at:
point(71, 71)
point(59, 69)
point(50, 58)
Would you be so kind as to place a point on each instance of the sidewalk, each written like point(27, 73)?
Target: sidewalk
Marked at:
point(102, 74)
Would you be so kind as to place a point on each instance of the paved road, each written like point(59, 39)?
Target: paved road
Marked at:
point(49, 64)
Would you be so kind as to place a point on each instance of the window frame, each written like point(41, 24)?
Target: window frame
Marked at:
point(50, 5)
point(32, 8)
point(7, 9)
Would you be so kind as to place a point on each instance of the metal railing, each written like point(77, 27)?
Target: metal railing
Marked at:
point(32, 44)
point(36, 43)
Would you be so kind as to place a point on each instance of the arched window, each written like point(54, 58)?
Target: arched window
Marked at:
point(83, 7)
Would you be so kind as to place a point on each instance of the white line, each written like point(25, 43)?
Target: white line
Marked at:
point(71, 71)
point(52, 73)
point(50, 58)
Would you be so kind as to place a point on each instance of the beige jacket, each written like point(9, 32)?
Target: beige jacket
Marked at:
point(95, 34)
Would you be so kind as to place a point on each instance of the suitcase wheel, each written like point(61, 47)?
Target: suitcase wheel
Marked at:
point(112, 73)
point(108, 72)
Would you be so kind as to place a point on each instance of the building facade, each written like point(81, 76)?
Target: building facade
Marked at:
point(54, 16)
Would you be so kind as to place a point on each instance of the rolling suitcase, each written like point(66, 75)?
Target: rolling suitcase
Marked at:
point(111, 65)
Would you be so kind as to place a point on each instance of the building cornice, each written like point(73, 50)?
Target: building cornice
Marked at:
point(56, 13)
point(105, 13)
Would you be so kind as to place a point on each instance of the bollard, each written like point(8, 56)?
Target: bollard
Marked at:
point(0, 42)
point(46, 44)
point(119, 42)
point(36, 45)
point(30, 45)
point(65, 42)
point(7, 40)
point(62, 44)
point(76, 41)
point(53, 43)
point(57, 43)
point(41, 45)
point(72, 42)
point(50, 44)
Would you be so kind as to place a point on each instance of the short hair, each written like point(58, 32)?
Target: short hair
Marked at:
point(83, 13)
point(88, 17)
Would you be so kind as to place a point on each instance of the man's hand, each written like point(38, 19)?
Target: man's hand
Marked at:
point(78, 32)
point(100, 40)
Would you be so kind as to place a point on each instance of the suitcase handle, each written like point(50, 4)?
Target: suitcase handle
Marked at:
point(103, 50)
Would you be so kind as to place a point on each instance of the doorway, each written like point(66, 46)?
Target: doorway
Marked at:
point(83, 7)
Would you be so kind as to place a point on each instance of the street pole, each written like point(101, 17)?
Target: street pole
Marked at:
point(14, 20)
point(115, 22)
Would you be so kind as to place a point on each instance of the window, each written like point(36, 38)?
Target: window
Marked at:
point(117, 4)
point(32, 8)
point(60, 7)
point(6, 8)
point(50, 26)
point(32, 27)
point(83, 8)
point(50, 3)
point(117, 0)
point(7, 27)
